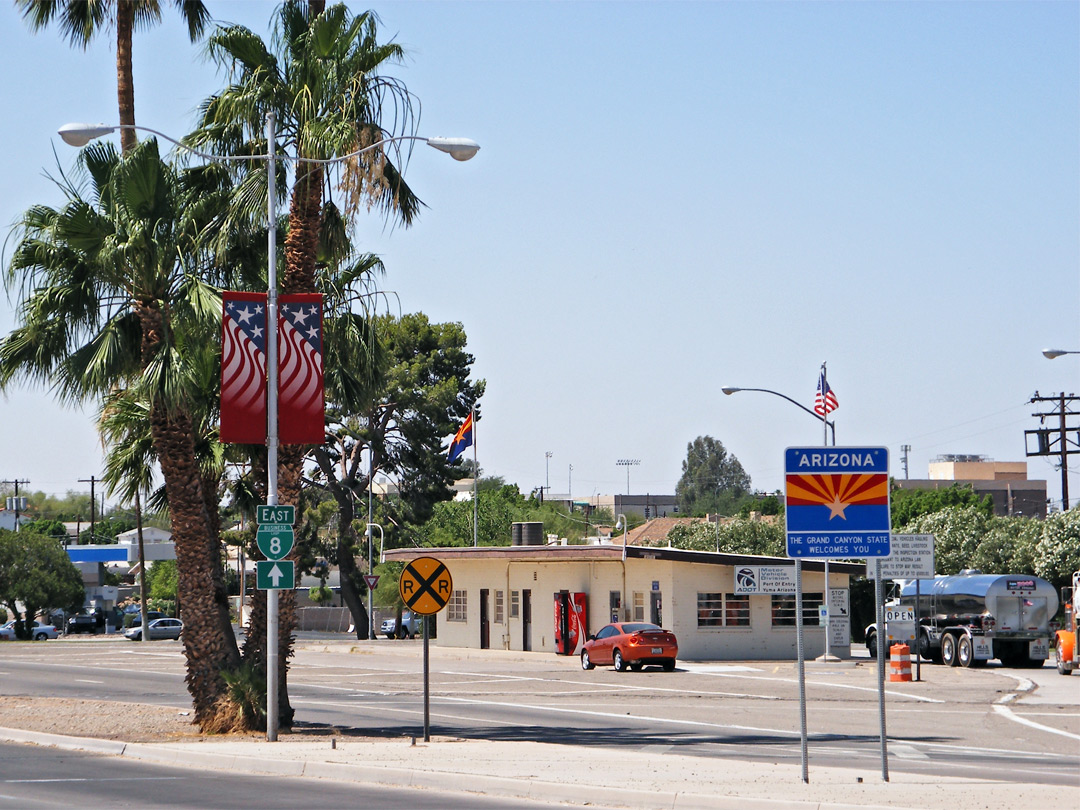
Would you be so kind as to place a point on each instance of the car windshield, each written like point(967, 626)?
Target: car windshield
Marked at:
point(639, 627)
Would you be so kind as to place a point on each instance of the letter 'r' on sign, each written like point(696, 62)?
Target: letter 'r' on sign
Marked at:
point(425, 586)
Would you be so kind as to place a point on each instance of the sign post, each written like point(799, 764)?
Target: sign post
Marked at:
point(837, 506)
point(275, 539)
point(912, 557)
point(425, 585)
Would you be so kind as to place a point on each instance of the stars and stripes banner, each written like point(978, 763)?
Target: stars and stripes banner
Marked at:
point(825, 401)
point(301, 411)
point(243, 368)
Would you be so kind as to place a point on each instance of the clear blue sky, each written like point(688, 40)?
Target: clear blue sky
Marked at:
point(674, 197)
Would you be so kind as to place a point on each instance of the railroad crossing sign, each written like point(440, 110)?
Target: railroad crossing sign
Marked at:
point(425, 586)
point(837, 502)
point(275, 540)
point(275, 575)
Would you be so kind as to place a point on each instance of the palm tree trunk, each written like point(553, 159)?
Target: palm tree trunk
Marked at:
point(125, 83)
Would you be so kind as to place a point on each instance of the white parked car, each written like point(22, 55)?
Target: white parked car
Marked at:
point(410, 626)
point(40, 632)
point(158, 629)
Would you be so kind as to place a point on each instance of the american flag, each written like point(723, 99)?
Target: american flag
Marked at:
point(243, 368)
point(824, 400)
point(301, 418)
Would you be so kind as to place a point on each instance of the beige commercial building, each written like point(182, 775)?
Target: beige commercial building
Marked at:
point(720, 606)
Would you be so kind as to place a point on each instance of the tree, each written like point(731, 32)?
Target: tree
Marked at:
point(37, 573)
point(908, 504)
point(81, 20)
point(712, 479)
point(425, 393)
point(323, 84)
point(116, 295)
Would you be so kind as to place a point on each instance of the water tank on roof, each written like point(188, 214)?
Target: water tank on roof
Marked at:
point(529, 533)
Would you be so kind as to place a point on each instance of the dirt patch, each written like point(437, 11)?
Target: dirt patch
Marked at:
point(105, 720)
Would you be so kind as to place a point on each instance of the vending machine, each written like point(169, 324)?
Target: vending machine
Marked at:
point(571, 622)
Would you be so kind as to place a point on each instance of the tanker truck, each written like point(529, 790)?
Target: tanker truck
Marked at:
point(969, 618)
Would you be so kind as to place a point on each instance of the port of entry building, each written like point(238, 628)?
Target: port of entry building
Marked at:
point(720, 606)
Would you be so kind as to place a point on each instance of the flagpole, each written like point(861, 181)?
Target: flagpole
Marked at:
point(825, 441)
point(476, 476)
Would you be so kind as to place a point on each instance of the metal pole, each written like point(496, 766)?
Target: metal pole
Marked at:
point(802, 670)
point(271, 423)
point(475, 478)
point(1064, 459)
point(918, 629)
point(427, 691)
point(371, 543)
point(879, 610)
point(825, 441)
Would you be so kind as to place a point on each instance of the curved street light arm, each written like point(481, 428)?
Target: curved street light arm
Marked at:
point(832, 426)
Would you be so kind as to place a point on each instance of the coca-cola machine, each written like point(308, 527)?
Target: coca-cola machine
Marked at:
point(571, 622)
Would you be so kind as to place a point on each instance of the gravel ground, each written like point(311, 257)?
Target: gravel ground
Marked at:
point(131, 722)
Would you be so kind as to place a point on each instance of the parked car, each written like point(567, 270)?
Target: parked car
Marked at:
point(630, 645)
point(89, 622)
point(134, 619)
point(40, 632)
point(410, 626)
point(158, 629)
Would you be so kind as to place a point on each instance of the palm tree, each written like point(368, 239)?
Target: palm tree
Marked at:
point(114, 296)
point(80, 20)
point(322, 81)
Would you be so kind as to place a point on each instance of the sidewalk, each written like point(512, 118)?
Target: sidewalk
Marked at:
point(576, 776)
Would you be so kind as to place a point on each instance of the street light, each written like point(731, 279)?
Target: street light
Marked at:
point(621, 523)
point(730, 389)
point(371, 570)
point(1050, 354)
point(457, 148)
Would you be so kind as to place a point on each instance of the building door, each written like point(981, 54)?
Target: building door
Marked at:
point(526, 620)
point(655, 608)
point(485, 624)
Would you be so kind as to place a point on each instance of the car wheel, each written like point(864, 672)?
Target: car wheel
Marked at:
point(403, 633)
point(636, 666)
point(618, 662)
point(669, 665)
point(137, 637)
point(389, 635)
point(585, 662)
point(40, 637)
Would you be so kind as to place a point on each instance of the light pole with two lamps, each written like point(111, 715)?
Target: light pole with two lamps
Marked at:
point(458, 148)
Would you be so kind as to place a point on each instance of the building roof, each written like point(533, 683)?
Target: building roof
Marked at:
point(609, 553)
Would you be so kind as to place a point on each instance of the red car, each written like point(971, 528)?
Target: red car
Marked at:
point(630, 645)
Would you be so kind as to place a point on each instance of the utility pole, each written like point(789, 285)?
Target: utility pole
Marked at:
point(91, 481)
point(905, 449)
point(16, 503)
point(1063, 441)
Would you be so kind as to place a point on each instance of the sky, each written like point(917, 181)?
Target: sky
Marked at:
point(671, 198)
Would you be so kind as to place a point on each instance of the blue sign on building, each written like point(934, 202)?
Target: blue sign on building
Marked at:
point(837, 502)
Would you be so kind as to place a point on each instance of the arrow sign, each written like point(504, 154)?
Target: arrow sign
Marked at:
point(275, 575)
point(371, 580)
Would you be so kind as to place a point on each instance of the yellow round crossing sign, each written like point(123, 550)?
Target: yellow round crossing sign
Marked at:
point(425, 586)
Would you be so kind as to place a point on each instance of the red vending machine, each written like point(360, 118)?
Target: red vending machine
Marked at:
point(571, 622)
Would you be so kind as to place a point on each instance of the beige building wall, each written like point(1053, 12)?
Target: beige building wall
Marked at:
point(978, 471)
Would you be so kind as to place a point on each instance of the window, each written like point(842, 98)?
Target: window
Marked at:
point(498, 607)
point(457, 609)
point(515, 604)
point(639, 606)
point(723, 610)
point(783, 609)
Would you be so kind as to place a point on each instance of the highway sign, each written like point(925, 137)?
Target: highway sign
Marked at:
point(425, 586)
point(371, 580)
point(275, 540)
point(279, 513)
point(275, 575)
point(912, 557)
point(837, 502)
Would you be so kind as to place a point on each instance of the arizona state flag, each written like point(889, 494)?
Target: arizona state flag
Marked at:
point(243, 368)
point(301, 404)
point(462, 439)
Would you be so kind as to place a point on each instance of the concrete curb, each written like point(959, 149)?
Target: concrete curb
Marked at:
point(505, 787)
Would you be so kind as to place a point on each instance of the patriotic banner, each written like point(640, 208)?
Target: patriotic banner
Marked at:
point(301, 412)
point(825, 401)
point(243, 368)
point(462, 439)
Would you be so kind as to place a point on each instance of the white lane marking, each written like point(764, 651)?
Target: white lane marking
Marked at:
point(906, 751)
point(85, 680)
point(827, 683)
point(711, 668)
point(95, 779)
point(414, 712)
point(608, 687)
point(1011, 715)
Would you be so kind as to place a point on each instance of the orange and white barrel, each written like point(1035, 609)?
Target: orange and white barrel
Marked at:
point(899, 662)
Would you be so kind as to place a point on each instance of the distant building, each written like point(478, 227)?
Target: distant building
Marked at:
point(1006, 482)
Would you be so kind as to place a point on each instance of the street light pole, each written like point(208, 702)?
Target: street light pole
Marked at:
point(460, 149)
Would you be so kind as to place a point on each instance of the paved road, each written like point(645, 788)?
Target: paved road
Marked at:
point(1018, 724)
point(36, 778)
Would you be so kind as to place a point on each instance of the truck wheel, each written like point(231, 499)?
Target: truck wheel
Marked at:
point(948, 650)
point(926, 649)
point(1062, 666)
point(965, 652)
point(871, 645)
